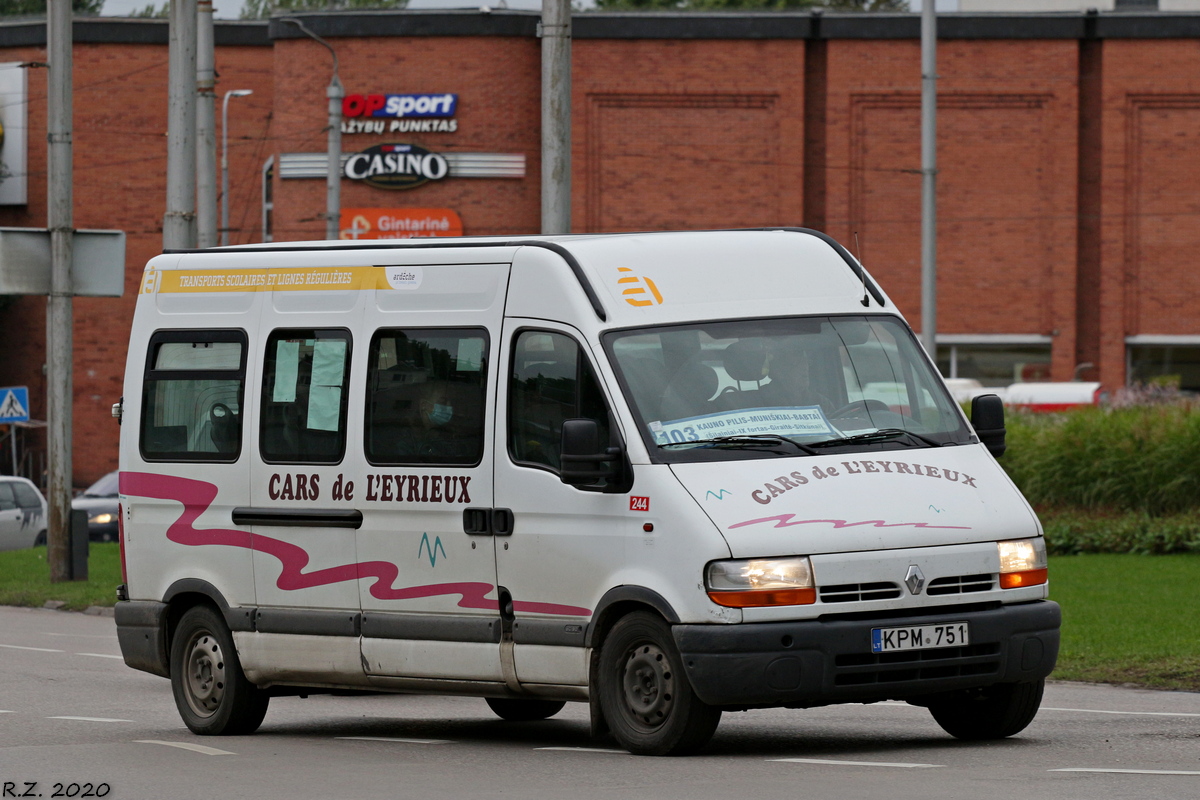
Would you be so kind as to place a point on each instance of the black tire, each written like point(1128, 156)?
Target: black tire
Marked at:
point(994, 712)
point(647, 699)
point(40, 539)
point(211, 691)
point(520, 710)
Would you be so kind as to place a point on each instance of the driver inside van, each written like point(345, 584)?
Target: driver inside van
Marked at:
point(791, 380)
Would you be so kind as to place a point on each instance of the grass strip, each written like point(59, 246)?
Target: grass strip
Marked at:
point(1070, 532)
point(1129, 619)
point(25, 579)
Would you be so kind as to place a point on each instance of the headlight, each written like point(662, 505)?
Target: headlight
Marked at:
point(1022, 562)
point(756, 582)
point(102, 519)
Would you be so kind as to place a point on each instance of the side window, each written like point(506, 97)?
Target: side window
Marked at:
point(192, 396)
point(426, 396)
point(306, 379)
point(8, 500)
point(551, 381)
point(27, 496)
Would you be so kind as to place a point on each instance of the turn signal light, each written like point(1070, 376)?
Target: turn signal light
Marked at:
point(764, 597)
point(1030, 577)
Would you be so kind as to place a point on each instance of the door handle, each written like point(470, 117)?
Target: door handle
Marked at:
point(502, 521)
point(477, 521)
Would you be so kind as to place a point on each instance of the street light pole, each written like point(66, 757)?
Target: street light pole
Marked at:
point(225, 160)
point(929, 178)
point(333, 177)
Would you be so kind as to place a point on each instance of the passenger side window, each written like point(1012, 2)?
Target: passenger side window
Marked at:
point(551, 381)
point(7, 500)
point(192, 396)
point(426, 396)
point(306, 380)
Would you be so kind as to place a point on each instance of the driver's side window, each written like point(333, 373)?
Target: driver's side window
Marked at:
point(550, 381)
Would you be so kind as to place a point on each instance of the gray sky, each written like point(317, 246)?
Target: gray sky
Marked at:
point(232, 9)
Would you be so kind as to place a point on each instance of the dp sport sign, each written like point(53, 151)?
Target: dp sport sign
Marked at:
point(396, 166)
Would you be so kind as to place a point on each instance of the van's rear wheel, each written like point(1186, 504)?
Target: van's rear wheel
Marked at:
point(520, 710)
point(993, 712)
point(646, 697)
point(211, 691)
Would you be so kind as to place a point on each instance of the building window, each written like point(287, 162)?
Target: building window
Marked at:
point(1176, 365)
point(192, 396)
point(993, 362)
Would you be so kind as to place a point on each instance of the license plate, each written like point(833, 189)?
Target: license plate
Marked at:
point(919, 637)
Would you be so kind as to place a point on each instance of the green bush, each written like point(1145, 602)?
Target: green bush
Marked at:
point(1073, 532)
point(1138, 459)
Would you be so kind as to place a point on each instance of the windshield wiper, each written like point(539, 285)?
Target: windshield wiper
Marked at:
point(881, 435)
point(743, 442)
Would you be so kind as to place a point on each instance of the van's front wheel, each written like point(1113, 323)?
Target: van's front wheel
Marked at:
point(993, 712)
point(211, 691)
point(646, 697)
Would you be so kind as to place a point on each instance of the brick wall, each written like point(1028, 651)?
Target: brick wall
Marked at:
point(694, 133)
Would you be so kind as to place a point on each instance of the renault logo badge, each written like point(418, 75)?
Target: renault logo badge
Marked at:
point(914, 580)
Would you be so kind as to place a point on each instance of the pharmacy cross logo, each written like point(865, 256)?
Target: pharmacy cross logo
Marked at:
point(433, 549)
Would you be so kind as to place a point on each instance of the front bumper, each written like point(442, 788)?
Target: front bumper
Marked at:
point(821, 662)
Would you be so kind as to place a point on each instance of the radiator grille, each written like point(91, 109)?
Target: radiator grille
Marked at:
point(960, 584)
point(860, 669)
point(855, 592)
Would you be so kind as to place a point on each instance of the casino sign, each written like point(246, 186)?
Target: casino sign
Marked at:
point(396, 166)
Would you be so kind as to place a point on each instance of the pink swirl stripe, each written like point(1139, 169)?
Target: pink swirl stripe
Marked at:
point(197, 496)
point(787, 521)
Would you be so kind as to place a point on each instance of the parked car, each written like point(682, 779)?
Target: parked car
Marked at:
point(22, 514)
point(102, 504)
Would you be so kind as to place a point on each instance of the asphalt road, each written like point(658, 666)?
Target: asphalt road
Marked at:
point(72, 713)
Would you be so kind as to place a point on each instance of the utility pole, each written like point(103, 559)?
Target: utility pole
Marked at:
point(206, 127)
point(59, 322)
point(333, 175)
point(929, 177)
point(179, 221)
point(555, 31)
point(225, 160)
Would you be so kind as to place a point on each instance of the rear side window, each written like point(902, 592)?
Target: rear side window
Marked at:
point(306, 378)
point(192, 396)
point(426, 398)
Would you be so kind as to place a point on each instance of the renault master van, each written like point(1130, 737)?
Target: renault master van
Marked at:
point(666, 474)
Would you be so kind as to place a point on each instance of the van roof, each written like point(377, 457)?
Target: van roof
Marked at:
point(668, 268)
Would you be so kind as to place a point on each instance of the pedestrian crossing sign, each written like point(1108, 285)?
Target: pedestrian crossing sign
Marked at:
point(14, 404)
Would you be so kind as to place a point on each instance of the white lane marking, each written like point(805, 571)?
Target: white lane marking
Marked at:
point(1129, 771)
point(92, 719)
point(1076, 710)
point(2, 711)
point(855, 763)
point(98, 655)
point(195, 748)
point(394, 739)
point(1131, 713)
point(585, 750)
point(36, 649)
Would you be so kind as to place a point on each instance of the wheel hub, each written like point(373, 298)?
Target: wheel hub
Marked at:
point(649, 685)
point(205, 674)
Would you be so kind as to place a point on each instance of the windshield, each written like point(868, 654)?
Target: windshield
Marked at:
point(108, 486)
point(753, 386)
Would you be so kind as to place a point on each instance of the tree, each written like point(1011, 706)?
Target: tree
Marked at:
point(14, 8)
point(261, 9)
point(750, 5)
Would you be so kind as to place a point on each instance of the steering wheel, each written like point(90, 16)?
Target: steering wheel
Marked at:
point(867, 405)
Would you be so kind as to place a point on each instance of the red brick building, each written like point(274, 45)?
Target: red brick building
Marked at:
point(1068, 158)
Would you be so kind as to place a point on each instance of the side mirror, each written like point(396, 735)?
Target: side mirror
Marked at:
point(584, 459)
point(987, 417)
